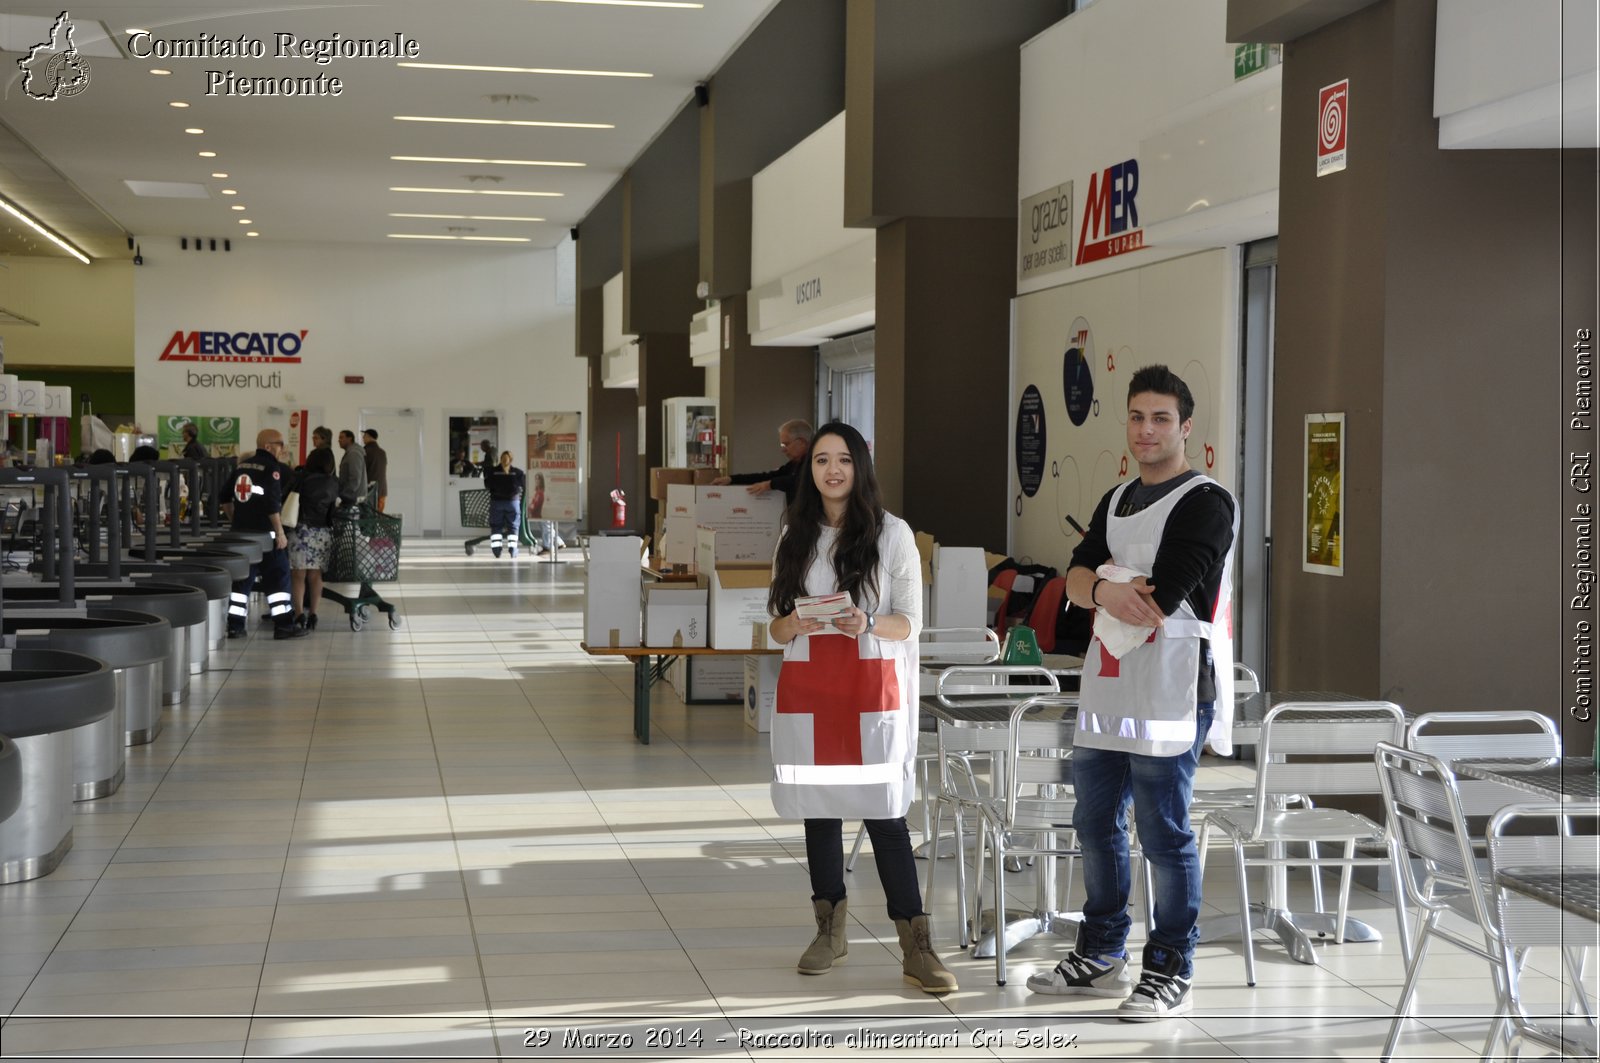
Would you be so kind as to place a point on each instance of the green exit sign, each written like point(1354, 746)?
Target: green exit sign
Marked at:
point(1249, 59)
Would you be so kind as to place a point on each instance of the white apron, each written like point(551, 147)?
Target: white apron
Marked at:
point(1145, 702)
point(844, 729)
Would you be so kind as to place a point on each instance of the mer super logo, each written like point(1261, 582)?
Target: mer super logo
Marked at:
point(198, 346)
point(1110, 216)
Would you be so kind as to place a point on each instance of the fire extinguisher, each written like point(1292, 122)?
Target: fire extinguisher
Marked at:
point(619, 508)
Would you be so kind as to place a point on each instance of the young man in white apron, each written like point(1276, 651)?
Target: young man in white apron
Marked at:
point(1155, 566)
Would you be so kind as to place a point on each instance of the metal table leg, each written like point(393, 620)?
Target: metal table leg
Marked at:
point(641, 698)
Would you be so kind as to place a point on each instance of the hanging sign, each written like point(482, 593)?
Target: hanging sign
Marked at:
point(1333, 127)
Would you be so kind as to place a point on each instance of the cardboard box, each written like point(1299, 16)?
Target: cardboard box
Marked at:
point(736, 604)
point(761, 689)
point(705, 476)
point(748, 525)
point(674, 615)
point(611, 611)
point(707, 679)
point(960, 588)
point(677, 527)
point(661, 478)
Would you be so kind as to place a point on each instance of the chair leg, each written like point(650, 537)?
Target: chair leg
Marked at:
point(855, 850)
point(980, 853)
point(933, 867)
point(1244, 913)
point(963, 911)
point(1345, 874)
point(1316, 877)
point(1402, 914)
point(1402, 1009)
point(999, 909)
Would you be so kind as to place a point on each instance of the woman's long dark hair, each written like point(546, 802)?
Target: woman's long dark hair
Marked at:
point(855, 556)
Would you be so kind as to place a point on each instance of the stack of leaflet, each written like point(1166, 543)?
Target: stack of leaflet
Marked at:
point(823, 606)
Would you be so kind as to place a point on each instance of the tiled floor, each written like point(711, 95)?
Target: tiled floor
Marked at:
point(444, 842)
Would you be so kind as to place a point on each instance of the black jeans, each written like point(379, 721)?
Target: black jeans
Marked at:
point(891, 850)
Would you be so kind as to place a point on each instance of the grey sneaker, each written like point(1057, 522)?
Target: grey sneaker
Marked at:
point(1157, 996)
point(1080, 975)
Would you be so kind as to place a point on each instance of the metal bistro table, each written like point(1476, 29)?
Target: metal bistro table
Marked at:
point(645, 673)
point(1569, 779)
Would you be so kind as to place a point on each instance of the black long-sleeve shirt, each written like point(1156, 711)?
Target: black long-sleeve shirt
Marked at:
point(786, 479)
point(1189, 561)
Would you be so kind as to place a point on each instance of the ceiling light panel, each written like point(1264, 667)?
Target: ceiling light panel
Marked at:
point(476, 192)
point(527, 70)
point(467, 217)
point(504, 121)
point(486, 162)
point(630, 3)
point(168, 189)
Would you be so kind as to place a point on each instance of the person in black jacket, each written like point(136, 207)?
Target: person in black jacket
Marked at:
point(794, 439)
point(506, 483)
point(255, 500)
point(311, 542)
point(192, 450)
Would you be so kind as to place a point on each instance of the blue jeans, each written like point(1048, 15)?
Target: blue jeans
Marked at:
point(1105, 780)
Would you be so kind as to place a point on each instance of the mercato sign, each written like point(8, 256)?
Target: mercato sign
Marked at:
point(198, 346)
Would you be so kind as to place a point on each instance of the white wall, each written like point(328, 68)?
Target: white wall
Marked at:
point(1516, 75)
point(1152, 81)
point(434, 329)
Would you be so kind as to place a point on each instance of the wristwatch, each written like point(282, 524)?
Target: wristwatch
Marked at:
point(872, 621)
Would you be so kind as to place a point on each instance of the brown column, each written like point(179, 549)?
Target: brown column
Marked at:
point(1420, 292)
point(760, 388)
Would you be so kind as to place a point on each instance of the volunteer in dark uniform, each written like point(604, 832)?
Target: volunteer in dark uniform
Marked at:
point(506, 483)
point(794, 439)
point(255, 498)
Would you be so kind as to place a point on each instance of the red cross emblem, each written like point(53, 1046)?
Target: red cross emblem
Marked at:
point(243, 488)
point(836, 688)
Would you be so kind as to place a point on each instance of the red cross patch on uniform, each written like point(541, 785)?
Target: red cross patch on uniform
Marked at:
point(836, 687)
point(243, 488)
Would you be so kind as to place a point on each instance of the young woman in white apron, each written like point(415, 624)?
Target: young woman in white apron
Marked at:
point(844, 734)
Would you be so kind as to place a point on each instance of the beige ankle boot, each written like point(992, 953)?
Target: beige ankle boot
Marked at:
point(921, 965)
point(829, 946)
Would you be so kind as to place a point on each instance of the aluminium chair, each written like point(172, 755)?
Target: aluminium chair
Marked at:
point(938, 647)
point(1308, 748)
point(1436, 872)
point(1533, 843)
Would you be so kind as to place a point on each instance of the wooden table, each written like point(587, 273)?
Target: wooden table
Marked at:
point(644, 673)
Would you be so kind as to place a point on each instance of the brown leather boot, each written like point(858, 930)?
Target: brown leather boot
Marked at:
point(922, 966)
point(829, 946)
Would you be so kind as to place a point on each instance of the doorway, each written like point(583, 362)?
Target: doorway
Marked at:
point(1252, 591)
point(400, 436)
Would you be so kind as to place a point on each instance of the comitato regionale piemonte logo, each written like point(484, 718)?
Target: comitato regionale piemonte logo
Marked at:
point(53, 69)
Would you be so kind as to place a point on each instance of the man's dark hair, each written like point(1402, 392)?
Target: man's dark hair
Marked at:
point(373, 432)
point(190, 431)
point(322, 432)
point(343, 432)
point(1162, 381)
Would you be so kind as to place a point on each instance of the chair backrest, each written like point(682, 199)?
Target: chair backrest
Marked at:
point(1486, 735)
point(1322, 747)
point(1245, 680)
point(944, 646)
point(1423, 812)
point(1539, 844)
point(998, 685)
point(1491, 735)
point(1046, 612)
point(1039, 763)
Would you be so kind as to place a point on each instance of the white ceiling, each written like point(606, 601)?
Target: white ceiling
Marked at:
point(319, 168)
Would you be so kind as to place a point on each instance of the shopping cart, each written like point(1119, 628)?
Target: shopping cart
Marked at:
point(475, 514)
point(366, 550)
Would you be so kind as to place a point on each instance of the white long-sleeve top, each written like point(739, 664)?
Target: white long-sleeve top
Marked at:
point(899, 572)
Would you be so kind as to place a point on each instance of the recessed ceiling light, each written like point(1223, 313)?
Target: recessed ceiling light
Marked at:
point(252, 233)
point(228, 191)
point(481, 239)
point(196, 130)
point(158, 72)
point(238, 206)
point(628, 3)
point(208, 154)
point(467, 217)
point(505, 121)
point(528, 70)
point(246, 221)
point(487, 162)
point(220, 176)
point(476, 192)
point(177, 103)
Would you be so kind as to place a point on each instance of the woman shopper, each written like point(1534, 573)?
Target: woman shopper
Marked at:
point(311, 541)
point(845, 737)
